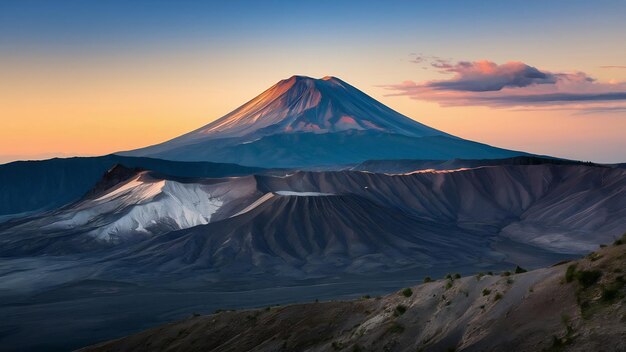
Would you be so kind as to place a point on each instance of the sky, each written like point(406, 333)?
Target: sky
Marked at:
point(96, 77)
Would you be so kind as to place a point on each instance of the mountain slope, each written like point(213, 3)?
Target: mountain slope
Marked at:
point(296, 234)
point(27, 186)
point(562, 209)
point(482, 313)
point(303, 122)
point(304, 104)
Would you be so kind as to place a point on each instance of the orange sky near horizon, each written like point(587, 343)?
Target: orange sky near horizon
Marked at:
point(94, 110)
point(84, 78)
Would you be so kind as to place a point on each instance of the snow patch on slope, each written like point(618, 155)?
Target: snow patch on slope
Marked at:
point(140, 205)
point(302, 194)
point(256, 203)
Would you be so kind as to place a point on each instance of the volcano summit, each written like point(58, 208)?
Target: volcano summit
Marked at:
point(303, 122)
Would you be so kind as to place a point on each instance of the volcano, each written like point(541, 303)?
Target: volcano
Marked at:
point(303, 122)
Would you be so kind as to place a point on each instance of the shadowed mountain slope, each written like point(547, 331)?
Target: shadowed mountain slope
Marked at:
point(27, 186)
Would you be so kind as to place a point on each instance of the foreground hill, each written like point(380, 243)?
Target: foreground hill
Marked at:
point(574, 306)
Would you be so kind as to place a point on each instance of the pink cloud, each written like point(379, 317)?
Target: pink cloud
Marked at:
point(510, 84)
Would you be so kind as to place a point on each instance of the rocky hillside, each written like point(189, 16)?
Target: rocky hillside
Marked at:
point(572, 306)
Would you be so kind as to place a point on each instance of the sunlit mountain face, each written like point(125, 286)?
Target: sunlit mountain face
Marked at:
point(304, 104)
point(306, 122)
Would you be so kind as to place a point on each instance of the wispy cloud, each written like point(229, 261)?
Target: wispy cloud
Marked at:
point(613, 66)
point(512, 84)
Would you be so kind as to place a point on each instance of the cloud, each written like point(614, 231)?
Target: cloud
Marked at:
point(613, 66)
point(484, 76)
point(512, 84)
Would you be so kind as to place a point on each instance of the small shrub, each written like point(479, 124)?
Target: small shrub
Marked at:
point(570, 273)
point(457, 276)
point(603, 246)
point(195, 314)
point(497, 297)
point(366, 297)
point(486, 291)
point(509, 281)
point(613, 291)
point(407, 292)
point(506, 273)
point(519, 270)
point(490, 273)
point(449, 276)
point(337, 345)
point(428, 279)
point(620, 241)
point(396, 328)
point(479, 276)
point(609, 293)
point(448, 285)
point(593, 256)
point(588, 277)
point(400, 309)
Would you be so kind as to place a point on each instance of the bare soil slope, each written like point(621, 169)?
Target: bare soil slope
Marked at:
point(575, 306)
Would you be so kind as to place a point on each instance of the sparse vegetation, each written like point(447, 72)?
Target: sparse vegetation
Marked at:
point(337, 346)
point(587, 278)
point(396, 328)
point(366, 297)
point(497, 297)
point(479, 276)
point(400, 309)
point(506, 273)
point(457, 276)
point(620, 241)
point(519, 270)
point(612, 291)
point(486, 292)
point(407, 292)
point(570, 273)
point(593, 256)
point(428, 279)
point(449, 276)
point(449, 284)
